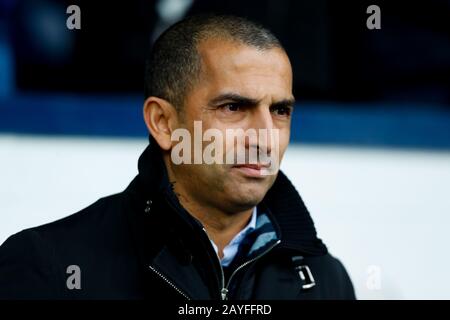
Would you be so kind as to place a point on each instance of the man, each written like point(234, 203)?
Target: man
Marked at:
point(184, 230)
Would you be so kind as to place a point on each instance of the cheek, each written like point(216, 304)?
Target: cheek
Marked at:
point(283, 141)
point(198, 176)
point(208, 173)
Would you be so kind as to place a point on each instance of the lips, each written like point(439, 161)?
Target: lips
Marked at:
point(251, 170)
point(252, 166)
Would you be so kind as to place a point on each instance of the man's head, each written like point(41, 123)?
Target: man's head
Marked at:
point(228, 73)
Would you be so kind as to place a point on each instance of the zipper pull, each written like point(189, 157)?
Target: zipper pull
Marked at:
point(224, 293)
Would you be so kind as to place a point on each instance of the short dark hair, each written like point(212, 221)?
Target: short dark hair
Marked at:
point(174, 64)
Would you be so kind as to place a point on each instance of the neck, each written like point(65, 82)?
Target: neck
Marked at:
point(220, 226)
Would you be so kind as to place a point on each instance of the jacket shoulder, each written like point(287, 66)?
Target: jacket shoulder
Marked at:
point(92, 215)
point(26, 268)
point(32, 260)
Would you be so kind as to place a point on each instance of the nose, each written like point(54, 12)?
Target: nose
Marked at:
point(262, 119)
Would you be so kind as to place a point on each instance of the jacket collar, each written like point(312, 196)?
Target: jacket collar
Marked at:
point(283, 202)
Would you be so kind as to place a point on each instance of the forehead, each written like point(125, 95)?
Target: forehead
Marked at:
point(231, 66)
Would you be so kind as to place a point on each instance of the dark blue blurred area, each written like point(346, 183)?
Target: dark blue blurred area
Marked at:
point(388, 87)
point(411, 126)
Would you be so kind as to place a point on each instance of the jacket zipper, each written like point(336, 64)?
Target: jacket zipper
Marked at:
point(159, 274)
point(224, 291)
point(170, 283)
point(225, 288)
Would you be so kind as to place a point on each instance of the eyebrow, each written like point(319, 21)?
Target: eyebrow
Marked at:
point(239, 99)
point(235, 97)
point(284, 103)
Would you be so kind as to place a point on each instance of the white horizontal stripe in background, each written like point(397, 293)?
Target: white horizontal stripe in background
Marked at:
point(385, 213)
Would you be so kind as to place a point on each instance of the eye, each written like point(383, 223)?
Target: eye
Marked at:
point(282, 110)
point(230, 107)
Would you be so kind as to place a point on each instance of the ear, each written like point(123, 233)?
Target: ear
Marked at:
point(161, 118)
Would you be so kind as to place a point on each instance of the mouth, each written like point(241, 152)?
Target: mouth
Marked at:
point(251, 170)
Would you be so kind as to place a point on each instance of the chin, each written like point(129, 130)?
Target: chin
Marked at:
point(243, 200)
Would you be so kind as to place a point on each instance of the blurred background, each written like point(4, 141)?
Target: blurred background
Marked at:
point(370, 144)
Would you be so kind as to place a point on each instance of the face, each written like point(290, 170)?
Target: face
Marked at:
point(240, 87)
